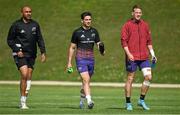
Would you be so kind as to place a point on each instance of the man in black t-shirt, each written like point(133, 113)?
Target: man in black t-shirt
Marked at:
point(23, 38)
point(83, 40)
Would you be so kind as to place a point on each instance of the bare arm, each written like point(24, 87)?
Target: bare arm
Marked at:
point(129, 55)
point(72, 49)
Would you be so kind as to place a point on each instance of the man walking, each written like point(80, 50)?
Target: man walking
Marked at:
point(83, 40)
point(23, 38)
point(136, 42)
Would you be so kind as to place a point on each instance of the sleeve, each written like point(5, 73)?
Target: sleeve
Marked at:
point(40, 40)
point(97, 38)
point(74, 38)
point(11, 38)
point(149, 39)
point(124, 36)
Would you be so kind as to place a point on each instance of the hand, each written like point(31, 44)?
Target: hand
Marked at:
point(20, 54)
point(69, 68)
point(130, 57)
point(101, 48)
point(43, 58)
point(154, 59)
point(69, 65)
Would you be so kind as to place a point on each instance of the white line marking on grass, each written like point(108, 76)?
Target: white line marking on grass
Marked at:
point(99, 84)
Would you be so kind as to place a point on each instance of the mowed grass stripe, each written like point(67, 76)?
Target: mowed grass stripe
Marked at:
point(65, 100)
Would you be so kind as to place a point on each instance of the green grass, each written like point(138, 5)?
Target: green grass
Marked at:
point(65, 100)
point(58, 19)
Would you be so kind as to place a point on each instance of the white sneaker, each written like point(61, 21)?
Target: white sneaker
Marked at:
point(24, 106)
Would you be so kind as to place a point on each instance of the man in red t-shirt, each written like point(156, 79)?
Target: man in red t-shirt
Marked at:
point(136, 42)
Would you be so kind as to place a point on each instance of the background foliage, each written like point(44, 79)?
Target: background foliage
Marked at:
point(58, 19)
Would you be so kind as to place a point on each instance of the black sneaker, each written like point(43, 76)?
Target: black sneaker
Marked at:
point(90, 104)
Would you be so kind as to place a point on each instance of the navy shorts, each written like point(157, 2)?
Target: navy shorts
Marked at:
point(21, 61)
point(85, 65)
point(131, 66)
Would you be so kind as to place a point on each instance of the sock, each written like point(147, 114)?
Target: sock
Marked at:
point(82, 97)
point(128, 99)
point(23, 99)
point(142, 97)
point(88, 97)
point(28, 85)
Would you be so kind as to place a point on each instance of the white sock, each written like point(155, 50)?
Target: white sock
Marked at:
point(28, 85)
point(23, 99)
point(88, 97)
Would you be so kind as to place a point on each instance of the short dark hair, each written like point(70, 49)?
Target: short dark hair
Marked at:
point(84, 14)
point(24, 7)
point(136, 6)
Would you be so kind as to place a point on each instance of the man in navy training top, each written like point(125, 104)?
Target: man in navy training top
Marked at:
point(82, 41)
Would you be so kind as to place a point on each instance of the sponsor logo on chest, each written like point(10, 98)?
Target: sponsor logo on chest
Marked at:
point(82, 36)
point(93, 35)
point(33, 30)
point(22, 31)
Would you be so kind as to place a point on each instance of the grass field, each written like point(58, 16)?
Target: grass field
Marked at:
point(65, 100)
point(58, 19)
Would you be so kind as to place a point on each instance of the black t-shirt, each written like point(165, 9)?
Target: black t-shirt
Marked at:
point(85, 39)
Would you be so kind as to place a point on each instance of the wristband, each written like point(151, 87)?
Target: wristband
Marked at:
point(152, 52)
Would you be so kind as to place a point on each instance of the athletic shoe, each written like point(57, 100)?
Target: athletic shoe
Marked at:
point(81, 105)
point(129, 107)
point(143, 104)
point(24, 106)
point(90, 104)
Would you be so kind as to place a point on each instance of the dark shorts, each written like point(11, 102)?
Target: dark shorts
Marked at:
point(131, 66)
point(21, 61)
point(85, 65)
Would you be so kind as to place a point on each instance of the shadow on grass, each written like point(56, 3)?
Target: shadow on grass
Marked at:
point(123, 108)
point(5, 106)
point(119, 108)
point(69, 107)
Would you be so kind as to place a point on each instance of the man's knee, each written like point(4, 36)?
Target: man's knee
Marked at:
point(24, 75)
point(130, 77)
point(86, 81)
point(30, 71)
point(147, 73)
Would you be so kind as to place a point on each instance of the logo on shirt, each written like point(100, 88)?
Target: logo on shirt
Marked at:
point(22, 31)
point(82, 36)
point(93, 35)
point(33, 30)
